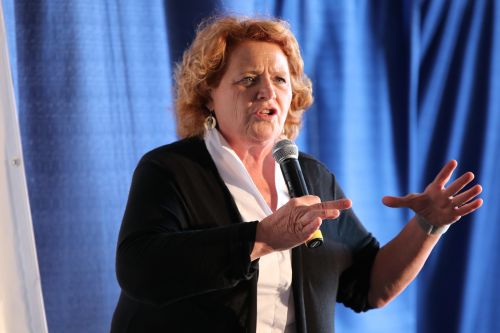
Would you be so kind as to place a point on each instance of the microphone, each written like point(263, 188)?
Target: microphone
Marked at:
point(286, 153)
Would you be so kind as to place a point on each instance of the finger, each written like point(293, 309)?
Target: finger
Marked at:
point(459, 184)
point(327, 209)
point(445, 174)
point(312, 226)
point(322, 213)
point(467, 196)
point(395, 202)
point(307, 200)
point(331, 209)
point(341, 204)
point(469, 208)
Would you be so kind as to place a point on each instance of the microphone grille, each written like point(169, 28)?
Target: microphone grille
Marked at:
point(285, 149)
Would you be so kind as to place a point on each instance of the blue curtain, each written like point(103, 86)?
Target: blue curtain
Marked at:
point(400, 88)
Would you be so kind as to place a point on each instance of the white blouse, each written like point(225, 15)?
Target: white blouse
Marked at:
point(275, 307)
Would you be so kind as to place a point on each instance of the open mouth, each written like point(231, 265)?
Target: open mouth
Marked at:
point(268, 112)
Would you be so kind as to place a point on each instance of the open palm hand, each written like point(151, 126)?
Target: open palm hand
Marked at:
point(438, 204)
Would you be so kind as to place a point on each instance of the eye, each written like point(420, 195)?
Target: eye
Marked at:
point(248, 80)
point(281, 80)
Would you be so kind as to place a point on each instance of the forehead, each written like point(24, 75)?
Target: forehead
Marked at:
point(257, 54)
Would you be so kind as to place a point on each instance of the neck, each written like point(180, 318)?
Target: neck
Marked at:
point(256, 156)
point(252, 154)
point(259, 162)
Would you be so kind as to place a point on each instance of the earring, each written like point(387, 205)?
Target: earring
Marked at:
point(210, 121)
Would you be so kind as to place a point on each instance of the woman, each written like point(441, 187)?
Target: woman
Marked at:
point(211, 241)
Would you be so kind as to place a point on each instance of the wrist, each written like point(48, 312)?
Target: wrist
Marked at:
point(429, 228)
point(260, 247)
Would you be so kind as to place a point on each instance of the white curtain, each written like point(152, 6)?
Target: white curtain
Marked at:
point(21, 302)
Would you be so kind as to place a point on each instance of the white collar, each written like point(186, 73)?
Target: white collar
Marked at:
point(234, 173)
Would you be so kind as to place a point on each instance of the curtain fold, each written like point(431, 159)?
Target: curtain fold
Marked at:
point(457, 116)
point(94, 93)
point(399, 89)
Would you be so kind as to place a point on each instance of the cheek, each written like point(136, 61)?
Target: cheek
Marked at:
point(242, 102)
point(286, 103)
point(236, 103)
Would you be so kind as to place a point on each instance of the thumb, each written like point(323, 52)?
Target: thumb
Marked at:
point(394, 202)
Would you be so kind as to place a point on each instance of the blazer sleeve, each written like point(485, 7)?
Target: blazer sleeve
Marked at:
point(162, 257)
point(353, 258)
point(354, 282)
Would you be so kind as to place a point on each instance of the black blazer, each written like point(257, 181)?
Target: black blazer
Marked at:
point(183, 257)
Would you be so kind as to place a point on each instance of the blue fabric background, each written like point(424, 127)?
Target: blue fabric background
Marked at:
point(400, 88)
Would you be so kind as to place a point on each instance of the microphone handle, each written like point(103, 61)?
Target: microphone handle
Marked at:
point(296, 184)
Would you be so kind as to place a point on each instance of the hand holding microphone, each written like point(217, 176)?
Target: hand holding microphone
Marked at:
point(286, 154)
point(297, 221)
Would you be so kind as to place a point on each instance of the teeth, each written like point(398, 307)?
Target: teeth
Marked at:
point(267, 112)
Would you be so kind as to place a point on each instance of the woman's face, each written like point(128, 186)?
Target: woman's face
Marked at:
point(252, 100)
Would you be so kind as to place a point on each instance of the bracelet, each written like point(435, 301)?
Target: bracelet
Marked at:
point(431, 229)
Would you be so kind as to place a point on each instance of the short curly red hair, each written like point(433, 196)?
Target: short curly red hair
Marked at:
point(204, 63)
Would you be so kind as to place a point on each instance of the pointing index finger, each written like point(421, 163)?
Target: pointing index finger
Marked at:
point(327, 209)
point(340, 204)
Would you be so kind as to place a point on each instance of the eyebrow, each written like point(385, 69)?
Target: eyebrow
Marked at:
point(258, 71)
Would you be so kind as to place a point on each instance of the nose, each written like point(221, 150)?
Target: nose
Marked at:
point(266, 90)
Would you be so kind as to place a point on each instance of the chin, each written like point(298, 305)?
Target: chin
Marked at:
point(265, 137)
point(264, 133)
